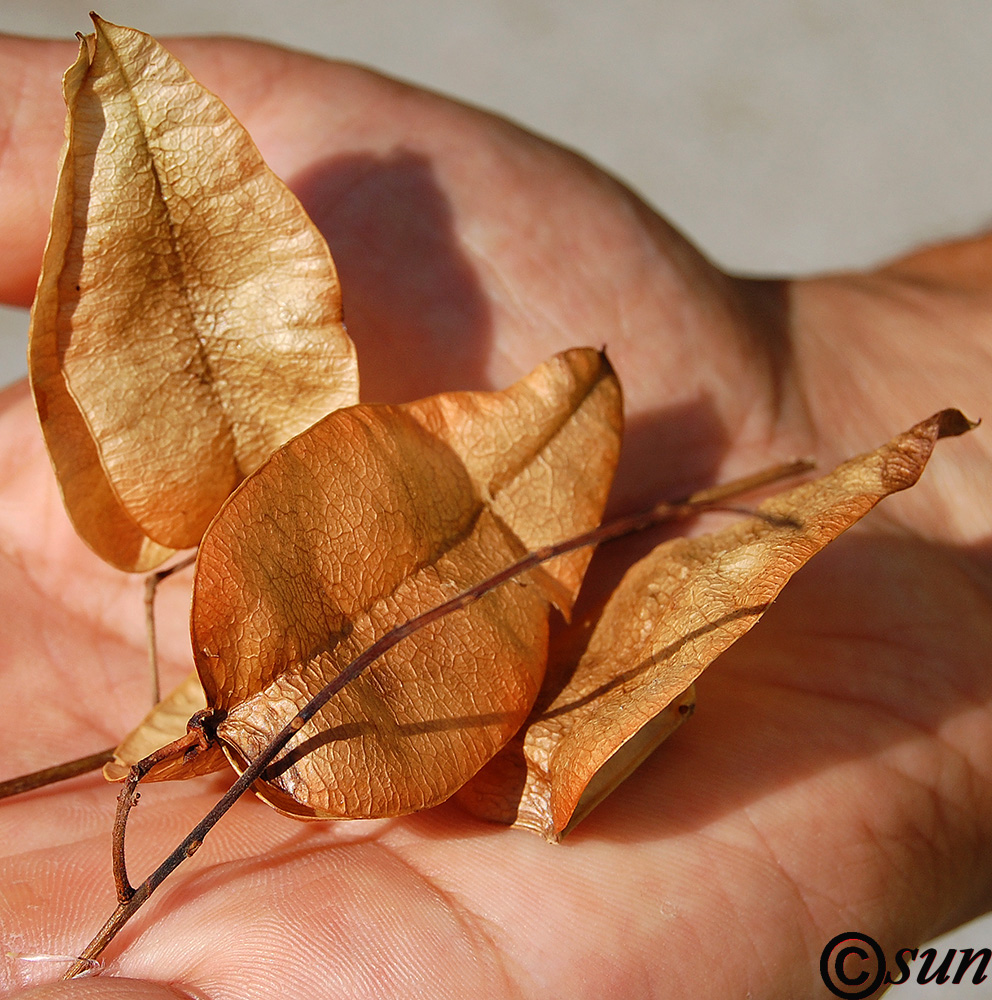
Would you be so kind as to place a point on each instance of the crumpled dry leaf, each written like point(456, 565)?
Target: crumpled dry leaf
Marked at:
point(673, 613)
point(373, 515)
point(165, 723)
point(187, 320)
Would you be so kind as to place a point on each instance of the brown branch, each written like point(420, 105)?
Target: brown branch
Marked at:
point(74, 768)
point(58, 772)
point(197, 737)
point(133, 899)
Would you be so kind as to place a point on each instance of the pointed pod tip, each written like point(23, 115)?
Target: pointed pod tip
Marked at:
point(101, 24)
point(952, 422)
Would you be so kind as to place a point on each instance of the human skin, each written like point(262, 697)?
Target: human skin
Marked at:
point(837, 774)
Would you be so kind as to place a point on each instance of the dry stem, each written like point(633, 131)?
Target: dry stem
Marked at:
point(151, 585)
point(58, 772)
point(74, 768)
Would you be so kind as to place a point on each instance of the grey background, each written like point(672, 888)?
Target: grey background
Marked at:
point(780, 135)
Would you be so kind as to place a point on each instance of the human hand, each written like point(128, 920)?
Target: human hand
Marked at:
point(836, 774)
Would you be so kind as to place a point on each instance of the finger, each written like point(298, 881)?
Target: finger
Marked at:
point(32, 117)
point(962, 265)
point(31, 129)
point(103, 989)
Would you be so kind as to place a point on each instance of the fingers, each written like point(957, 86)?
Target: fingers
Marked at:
point(31, 128)
point(468, 249)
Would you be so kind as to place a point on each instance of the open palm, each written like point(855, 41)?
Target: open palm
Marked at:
point(838, 772)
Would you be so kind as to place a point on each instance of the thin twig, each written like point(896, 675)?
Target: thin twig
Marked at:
point(58, 772)
point(135, 898)
point(74, 768)
point(196, 738)
point(151, 585)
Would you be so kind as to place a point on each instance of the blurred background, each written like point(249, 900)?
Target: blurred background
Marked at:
point(782, 136)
